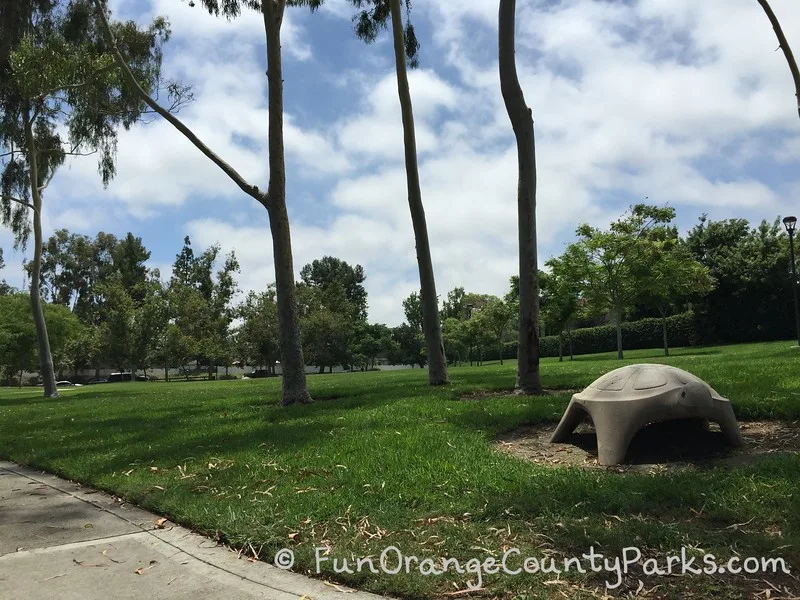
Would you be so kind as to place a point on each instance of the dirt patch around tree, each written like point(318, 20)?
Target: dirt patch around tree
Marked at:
point(681, 444)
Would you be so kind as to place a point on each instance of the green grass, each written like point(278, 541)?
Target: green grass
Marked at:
point(382, 459)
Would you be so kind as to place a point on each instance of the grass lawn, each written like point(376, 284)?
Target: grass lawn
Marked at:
point(382, 459)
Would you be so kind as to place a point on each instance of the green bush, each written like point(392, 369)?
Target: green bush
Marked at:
point(636, 335)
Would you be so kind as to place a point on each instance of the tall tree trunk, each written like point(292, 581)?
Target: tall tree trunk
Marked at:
point(618, 321)
point(560, 346)
point(664, 329)
point(528, 377)
point(500, 348)
point(295, 388)
point(569, 338)
point(437, 363)
point(784, 45)
point(45, 356)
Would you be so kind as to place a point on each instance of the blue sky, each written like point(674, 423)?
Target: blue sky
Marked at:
point(685, 102)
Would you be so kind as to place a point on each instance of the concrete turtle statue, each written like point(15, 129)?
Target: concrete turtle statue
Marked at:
point(623, 401)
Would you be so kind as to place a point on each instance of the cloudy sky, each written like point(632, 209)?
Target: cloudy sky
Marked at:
point(684, 101)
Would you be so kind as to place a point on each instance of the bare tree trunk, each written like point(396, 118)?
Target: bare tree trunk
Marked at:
point(437, 363)
point(45, 356)
point(618, 321)
point(528, 378)
point(295, 389)
point(500, 347)
point(784, 44)
point(664, 329)
point(569, 338)
point(560, 346)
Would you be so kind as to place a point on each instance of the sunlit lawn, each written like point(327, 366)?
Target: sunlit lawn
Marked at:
point(382, 459)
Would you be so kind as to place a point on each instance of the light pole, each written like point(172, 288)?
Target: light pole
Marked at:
point(791, 223)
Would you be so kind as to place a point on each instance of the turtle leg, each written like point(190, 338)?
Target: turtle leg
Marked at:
point(615, 425)
point(574, 414)
point(727, 424)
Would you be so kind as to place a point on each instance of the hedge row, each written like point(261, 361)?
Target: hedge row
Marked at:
point(646, 333)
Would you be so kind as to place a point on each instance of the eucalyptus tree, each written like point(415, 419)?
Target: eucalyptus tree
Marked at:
point(521, 116)
point(374, 15)
point(295, 389)
point(59, 96)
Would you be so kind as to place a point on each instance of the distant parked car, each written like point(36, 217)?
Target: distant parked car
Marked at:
point(97, 380)
point(66, 383)
point(124, 377)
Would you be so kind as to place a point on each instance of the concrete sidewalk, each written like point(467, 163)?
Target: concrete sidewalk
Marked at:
point(62, 540)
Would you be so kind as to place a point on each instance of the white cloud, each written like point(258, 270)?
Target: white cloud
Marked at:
point(658, 98)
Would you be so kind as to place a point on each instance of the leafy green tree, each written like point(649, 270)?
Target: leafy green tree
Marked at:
point(455, 339)
point(327, 322)
point(521, 116)
point(59, 96)
point(201, 303)
point(412, 307)
point(478, 335)
point(409, 348)
point(497, 315)
point(129, 260)
point(373, 16)
point(18, 341)
point(133, 323)
point(368, 342)
point(17, 335)
point(668, 275)
point(604, 262)
point(257, 336)
point(295, 389)
point(174, 348)
point(455, 306)
point(752, 300)
point(67, 263)
point(560, 297)
point(330, 271)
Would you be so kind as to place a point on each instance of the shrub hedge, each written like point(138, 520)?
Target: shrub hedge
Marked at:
point(636, 335)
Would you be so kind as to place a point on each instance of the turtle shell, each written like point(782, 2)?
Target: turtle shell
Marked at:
point(643, 380)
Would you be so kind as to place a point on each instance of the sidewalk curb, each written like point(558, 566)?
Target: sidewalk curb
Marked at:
point(203, 554)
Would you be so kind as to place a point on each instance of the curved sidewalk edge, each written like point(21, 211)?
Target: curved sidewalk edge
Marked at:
point(59, 539)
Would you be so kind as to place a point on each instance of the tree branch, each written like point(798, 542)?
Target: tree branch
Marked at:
point(18, 201)
point(73, 86)
point(43, 187)
point(787, 51)
point(250, 190)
